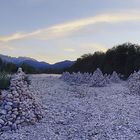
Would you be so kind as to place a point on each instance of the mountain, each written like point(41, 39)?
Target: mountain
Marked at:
point(63, 64)
point(36, 64)
point(15, 60)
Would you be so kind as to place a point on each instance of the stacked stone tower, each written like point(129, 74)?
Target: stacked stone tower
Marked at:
point(18, 106)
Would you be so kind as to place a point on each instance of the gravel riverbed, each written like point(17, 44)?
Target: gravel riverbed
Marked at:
point(81, 112)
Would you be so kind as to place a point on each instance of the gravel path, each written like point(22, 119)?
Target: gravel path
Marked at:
point(81, 112)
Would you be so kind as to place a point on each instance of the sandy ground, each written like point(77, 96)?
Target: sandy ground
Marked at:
point(81, 112)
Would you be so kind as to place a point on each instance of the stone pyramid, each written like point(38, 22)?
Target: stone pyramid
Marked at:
point(18, 106)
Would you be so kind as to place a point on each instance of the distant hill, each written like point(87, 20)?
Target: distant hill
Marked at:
point(62, 64)
point(36, 64)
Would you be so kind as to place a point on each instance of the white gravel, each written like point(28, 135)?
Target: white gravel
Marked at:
point(81, 112)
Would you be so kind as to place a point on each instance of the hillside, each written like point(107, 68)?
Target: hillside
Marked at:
point(36, 64)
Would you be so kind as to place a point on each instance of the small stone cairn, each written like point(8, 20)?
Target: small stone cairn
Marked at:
point(97, 79)
point(134, 83)
point(114, 77)
point(18, 106)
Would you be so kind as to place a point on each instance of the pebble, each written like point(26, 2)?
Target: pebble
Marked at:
point(9, 103)
point(14, 126)
point(6, 128)
point(8, 107)
point(2, 122)
point(3, 112)
point(9, 95)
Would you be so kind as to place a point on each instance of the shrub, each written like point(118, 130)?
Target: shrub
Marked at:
point(4, 80)
point(27, 80)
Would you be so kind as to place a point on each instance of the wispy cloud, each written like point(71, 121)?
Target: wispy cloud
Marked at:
point(6, 47)
point(93, 47)
point(69, 50)
point(66, 29)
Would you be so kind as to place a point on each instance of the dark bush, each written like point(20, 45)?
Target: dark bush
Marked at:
point(4, 80)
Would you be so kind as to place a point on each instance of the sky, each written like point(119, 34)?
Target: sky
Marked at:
point(57, 30)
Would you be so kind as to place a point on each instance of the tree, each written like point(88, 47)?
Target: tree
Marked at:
point(124, 59)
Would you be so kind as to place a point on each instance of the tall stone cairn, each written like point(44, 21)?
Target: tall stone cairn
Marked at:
point(18, 106)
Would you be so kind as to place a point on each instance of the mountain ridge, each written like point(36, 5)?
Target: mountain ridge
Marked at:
point(35, 63)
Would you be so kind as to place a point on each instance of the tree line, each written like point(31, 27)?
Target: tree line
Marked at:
point(7, 67)
point(12, 68)
point(124, 59)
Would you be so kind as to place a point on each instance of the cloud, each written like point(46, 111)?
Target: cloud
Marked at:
point(69, 50)
point(68, 28)
point(7, 47)
point(18, 36)
point(93, 47)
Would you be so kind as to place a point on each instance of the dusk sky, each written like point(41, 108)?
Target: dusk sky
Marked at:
point(56, 30)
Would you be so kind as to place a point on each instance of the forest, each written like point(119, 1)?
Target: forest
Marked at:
point(124, 59)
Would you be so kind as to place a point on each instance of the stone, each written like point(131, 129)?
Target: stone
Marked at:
point(8, 107)
point(15, 105)
point(4, 93)
point(3, 112)
point(9, 112)
point(6, 128)
point(1, 126)
point(2, 122)
point(14, 126)
point(16, 95)
point(15, 113)
point(1, 102)
point(10, 123)
point(17, 121)
point(10, 103)
point(13, 116)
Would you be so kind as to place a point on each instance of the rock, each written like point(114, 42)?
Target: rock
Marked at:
point(16, 95)
point(1, 102)
point(3, 112)
point(15, 113)
point(10, 103)
point(13, 116)
point(10, 123)
point(4, 93)
point(15, 105)
point(1, 126)
point(2, 122)
point(14, 92)
point(6, 128)
point(8, 107)
point(9, 112)
point(10, 96)
point(18, 121)
point(14, 126)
